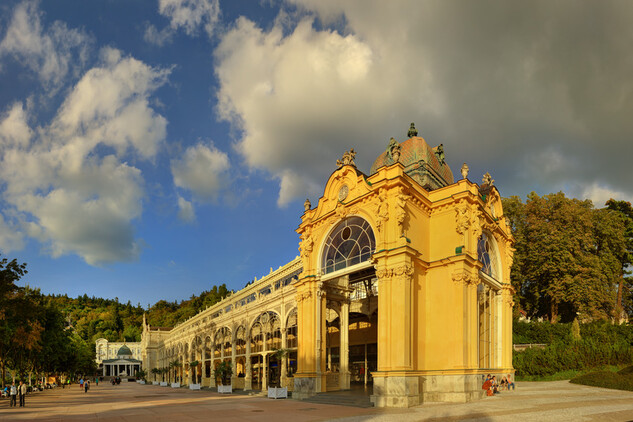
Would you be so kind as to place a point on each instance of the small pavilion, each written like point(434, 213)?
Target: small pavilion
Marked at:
point(124, 365)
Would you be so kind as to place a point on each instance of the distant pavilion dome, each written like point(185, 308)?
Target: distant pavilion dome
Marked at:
point(124, 352)
point(422, 163)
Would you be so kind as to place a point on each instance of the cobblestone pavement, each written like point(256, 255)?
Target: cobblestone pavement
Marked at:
point(533, 401)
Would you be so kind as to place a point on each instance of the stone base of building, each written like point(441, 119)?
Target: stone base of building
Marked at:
point(304, 388)
point(396, 391)
point(451, 388)
point(408, 391)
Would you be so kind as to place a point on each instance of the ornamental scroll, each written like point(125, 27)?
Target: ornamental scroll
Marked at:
point(465, 277)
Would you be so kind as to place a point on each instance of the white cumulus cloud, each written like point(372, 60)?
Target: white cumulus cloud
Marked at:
point(202, 169)
point(191, 15)
point(67, 184)
point(53, 53)
point(498, 85)
point(186, 211)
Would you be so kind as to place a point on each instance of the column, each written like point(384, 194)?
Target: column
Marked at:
point(204, 370)
point(311, 330)
point(233, 362)
point(283, 366)
point(344, 375)
point(248, 376)
point(104, 369)
point(365, 369)
point(394, 385)
point(265, 370)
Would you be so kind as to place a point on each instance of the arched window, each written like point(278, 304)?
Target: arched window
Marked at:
point(240, 341)
point(291, 330)
point(487, 254)
point(266, 332)
point(351, 242)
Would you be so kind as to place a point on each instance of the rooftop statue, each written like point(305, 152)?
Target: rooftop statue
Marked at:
point(488, 180)
point(347, 159)
point(394, 150)
point(439, 151)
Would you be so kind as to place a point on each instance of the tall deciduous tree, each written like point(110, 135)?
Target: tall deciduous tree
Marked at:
point(566, 261)
point(626, 256)
point(10, 309)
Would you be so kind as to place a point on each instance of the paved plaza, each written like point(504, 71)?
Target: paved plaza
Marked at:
point(533, 401)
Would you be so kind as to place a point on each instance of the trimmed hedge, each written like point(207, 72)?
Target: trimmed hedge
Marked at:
point(601, 344)
point(607, 379)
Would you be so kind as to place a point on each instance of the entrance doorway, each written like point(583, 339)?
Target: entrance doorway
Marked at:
point(356, 369)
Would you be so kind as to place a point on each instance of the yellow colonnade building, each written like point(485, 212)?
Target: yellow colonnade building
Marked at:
point(402, 283)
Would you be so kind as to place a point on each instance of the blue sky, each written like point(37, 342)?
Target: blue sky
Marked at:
point(152, 149)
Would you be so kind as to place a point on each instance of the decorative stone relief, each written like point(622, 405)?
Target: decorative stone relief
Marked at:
point(476, 224)
point(401, 212)
point(462, 216)
point(341, 211)
point(382, 210)
point(383, 273)
point(465, 277)
point(306, 245)
point(303, 296)
point(347, 159)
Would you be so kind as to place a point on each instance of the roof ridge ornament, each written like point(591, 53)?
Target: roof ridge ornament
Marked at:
point(465, 170)
point(347, 159)
point(412, 131)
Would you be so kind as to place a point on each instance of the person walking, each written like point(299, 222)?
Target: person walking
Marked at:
point(13, 392)
point(97, 382)
point(81, 384)
point(22, 393)
point(86, 386)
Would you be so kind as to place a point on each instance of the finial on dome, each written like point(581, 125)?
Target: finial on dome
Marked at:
point(412, 131)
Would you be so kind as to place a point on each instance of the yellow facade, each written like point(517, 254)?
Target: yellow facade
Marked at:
point(403, 280)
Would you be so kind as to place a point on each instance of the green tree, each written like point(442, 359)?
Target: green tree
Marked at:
point(625, 257)
point(566, 256)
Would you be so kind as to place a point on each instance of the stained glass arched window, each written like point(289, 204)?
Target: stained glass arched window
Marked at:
point(487, 254)
point(351, 242)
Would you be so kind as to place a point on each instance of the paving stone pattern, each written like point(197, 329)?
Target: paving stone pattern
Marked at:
point(535, 401)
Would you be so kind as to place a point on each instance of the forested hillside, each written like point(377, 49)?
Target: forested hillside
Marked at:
point(92, 318)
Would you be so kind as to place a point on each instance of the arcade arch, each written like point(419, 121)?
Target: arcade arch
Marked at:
point(351, 289)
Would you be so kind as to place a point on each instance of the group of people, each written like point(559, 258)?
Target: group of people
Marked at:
point(493, 386)
point(15, 392)
point(85, 385)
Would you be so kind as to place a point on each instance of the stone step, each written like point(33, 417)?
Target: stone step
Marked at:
point(341, 400)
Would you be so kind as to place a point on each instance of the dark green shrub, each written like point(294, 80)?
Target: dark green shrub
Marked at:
point(626, 371)
point(606, 379)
